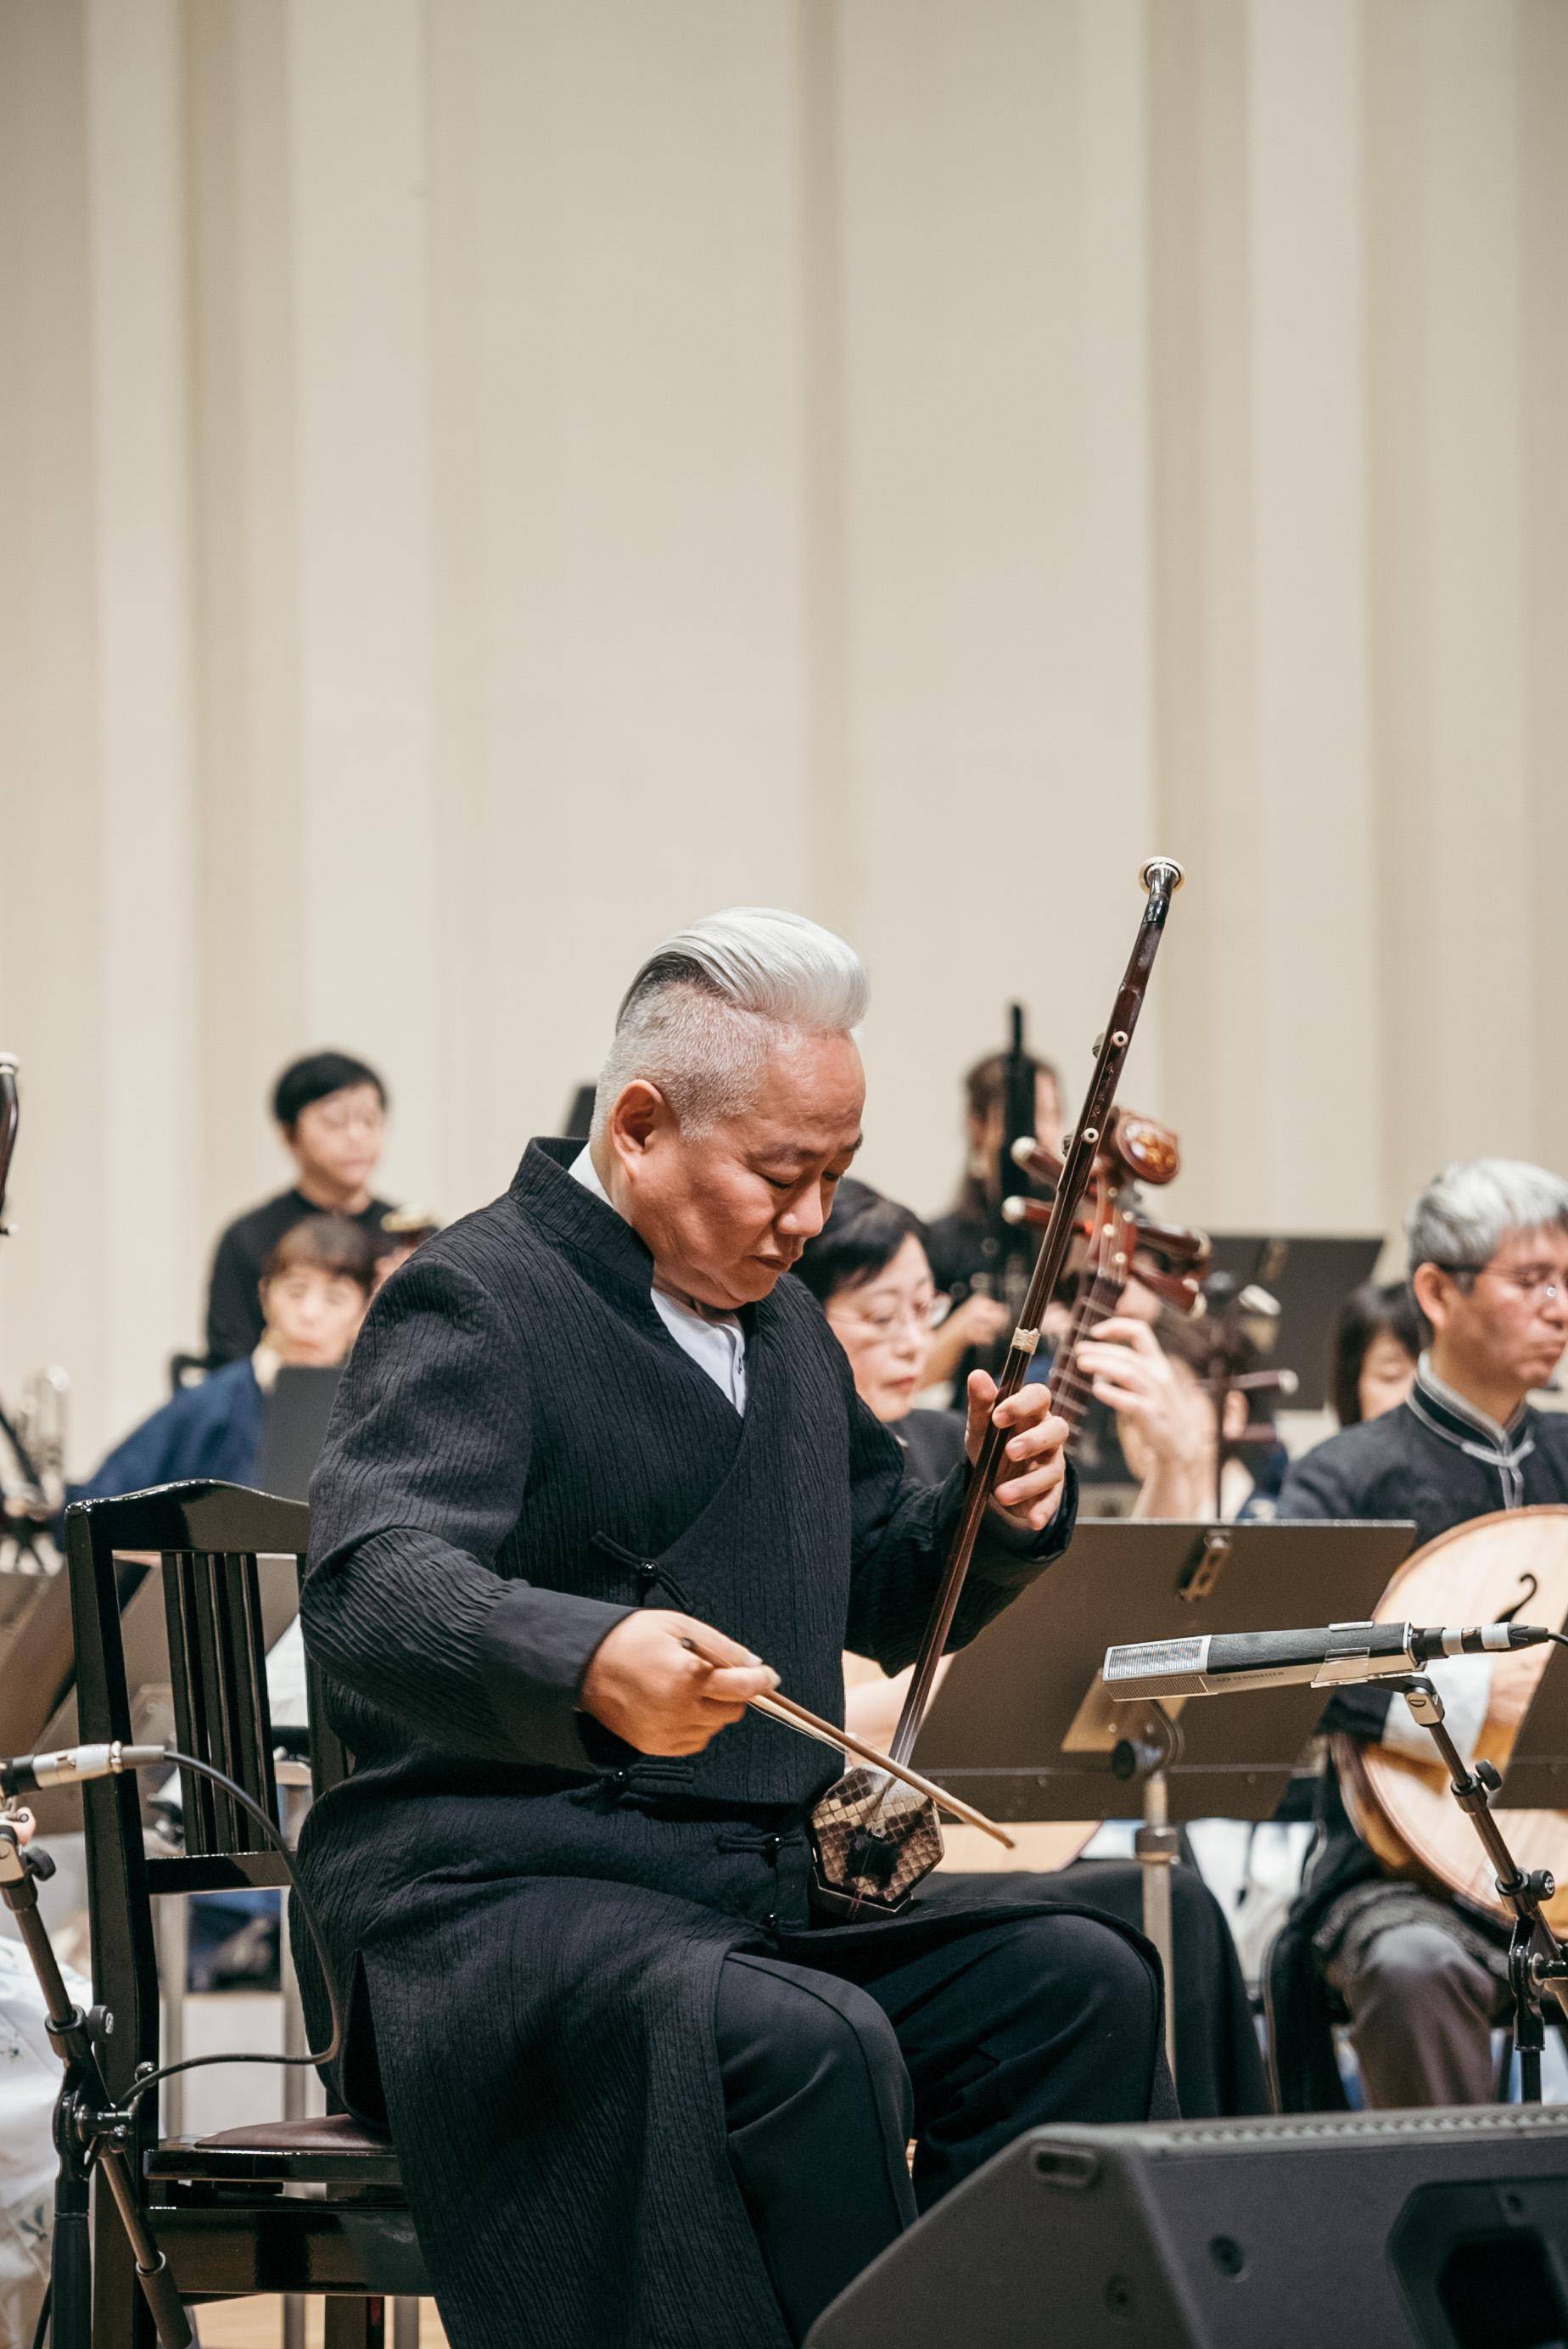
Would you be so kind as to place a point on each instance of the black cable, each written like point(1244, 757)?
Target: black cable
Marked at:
point(41, 2329)
point(334, 2005)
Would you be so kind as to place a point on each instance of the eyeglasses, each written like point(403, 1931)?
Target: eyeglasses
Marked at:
point(917, 1313)
point(1536, 1288)
point(341, 1120)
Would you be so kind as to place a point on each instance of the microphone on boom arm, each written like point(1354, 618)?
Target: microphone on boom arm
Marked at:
point(1336, 1655)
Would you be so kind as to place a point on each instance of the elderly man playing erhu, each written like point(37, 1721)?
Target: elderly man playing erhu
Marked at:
point(641, 2092)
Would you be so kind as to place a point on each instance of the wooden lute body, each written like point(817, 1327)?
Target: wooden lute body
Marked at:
point(1511, 1566)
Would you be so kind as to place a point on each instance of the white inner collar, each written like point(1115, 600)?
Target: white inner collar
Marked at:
point(715, 1341)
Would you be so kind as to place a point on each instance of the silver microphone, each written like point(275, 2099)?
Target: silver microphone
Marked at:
point(27, 1774)
point(1338, 1654)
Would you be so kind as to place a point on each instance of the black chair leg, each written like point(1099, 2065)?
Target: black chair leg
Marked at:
point(354, 2323)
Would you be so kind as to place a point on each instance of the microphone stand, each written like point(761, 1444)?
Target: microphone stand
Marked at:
point(89, 2132)
point(1536, 1959)
point(1157, 1843)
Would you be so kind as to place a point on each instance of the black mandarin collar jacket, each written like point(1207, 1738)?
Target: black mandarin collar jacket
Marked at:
point(530, 1917)
point(520, 1453)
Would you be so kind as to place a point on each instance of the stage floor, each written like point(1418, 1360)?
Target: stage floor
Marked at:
point(259, 2324)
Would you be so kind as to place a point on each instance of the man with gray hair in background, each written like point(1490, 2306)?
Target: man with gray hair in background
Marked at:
point(641, 2094)
point(1488, 1253)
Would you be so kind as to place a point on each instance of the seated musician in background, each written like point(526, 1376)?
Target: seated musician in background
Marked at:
point(1378, 1343)
point(640, 2090)
point(963, 1244)
point(311, 1299)
point(1424, 1980)
point(331, 1113)
point(1151, 1374)
point(869, 1269)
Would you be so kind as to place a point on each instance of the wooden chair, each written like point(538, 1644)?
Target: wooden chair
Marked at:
point(226, 2209)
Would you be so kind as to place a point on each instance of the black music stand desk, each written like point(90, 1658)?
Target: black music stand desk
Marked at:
point(1309, 1276)
point(294, 1429)
point(1536, 1778)
point(1022, 1725)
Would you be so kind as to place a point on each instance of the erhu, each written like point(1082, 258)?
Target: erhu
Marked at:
point(873, 1838)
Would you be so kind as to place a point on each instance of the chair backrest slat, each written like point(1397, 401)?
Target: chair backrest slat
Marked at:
point(206, 1539)
point(198, 1795)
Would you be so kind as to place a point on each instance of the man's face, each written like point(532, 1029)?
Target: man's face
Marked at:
point(341, 1137)
point(1509, 1324)
point(985, 1134)
point(726, 1212)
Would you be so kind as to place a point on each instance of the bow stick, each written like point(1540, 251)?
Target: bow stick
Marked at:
point(810, 1725)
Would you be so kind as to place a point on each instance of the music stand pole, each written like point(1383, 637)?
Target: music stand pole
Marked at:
point(1535, 1956)
point(1155, 1847)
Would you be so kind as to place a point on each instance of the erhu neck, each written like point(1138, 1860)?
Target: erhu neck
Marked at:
point(1071, 1386)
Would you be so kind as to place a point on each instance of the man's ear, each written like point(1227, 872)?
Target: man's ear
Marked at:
point(640, 1111)
point(1432, 1289)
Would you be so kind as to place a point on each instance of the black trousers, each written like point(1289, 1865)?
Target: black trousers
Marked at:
point(1219, 2062)
point(960, 2036)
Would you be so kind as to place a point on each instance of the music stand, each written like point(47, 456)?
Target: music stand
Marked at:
point(1536, 1778)
point(295, 1430)
point(1309, 1277)
point(1022, 1725)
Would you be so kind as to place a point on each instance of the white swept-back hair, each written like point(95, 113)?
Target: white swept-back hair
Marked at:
point(1463, 1215)
point(703, 1012)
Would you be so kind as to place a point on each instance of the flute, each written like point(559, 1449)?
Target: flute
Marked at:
point(810, 1725)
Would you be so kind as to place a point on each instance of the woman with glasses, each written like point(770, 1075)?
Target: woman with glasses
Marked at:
point(1488, 1270)
point(870, 1269)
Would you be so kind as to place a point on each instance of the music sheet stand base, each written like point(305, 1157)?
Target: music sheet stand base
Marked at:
point(1023, 1728)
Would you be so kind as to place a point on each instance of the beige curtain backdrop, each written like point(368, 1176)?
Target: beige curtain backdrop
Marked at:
point(482, 481)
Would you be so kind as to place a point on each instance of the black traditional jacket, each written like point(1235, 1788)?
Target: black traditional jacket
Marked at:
point(533, 1915)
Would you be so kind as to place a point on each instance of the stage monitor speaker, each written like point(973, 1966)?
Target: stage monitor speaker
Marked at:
point(1443, 2229)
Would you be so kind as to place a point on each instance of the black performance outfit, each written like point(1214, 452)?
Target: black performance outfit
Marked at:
point(933, 1443)
point(1423, 1978)
point(233, 1307)
point(638, 2099)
